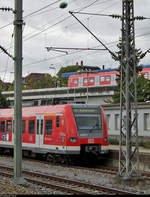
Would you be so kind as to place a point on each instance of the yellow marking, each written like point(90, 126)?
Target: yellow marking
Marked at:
point(52, 114)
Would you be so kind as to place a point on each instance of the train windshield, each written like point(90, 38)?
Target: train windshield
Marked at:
point(89, 122)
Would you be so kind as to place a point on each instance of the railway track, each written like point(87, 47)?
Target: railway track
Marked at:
point(97, 168)
point(64, 185)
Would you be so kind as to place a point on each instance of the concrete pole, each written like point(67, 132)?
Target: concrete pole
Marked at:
point(18, 93)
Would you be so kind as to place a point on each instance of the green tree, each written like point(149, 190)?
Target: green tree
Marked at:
point(143, 91)
point(46, 82)
point(138, 55)
point(4, 103)
point(64, 81)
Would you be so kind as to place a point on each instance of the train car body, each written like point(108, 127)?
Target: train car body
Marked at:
point(106, 77)
point(58, 129)
point(146, 71)
point(93, 79)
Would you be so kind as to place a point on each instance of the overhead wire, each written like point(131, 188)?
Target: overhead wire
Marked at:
point(60, 55)
point(36, 12)
point(52, 58)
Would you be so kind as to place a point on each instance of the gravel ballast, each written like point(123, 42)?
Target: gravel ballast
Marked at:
point(97, 178)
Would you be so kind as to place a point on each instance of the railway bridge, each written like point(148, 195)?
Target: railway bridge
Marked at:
point(48, 96)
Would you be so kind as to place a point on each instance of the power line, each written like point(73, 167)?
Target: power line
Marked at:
point(42, 8)
point(32, 13)
point(94, 35)
point(52, 58)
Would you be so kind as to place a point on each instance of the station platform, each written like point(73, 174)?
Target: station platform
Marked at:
point(141, 149)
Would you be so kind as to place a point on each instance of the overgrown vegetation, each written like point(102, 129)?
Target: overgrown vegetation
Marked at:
point(4, 103)
point(143, 85)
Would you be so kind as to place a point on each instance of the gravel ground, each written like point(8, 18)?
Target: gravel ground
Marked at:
point(8, 187)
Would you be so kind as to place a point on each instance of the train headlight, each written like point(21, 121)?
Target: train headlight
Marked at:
point(73, 139)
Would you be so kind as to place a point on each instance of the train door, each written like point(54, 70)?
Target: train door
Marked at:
point(113, 79)
point(6, 129)
point(61, 131)
point(39, 131)
point(96, 80)
point(29, 130)
point(54, 133)
point(49, 129)
point(80, 81)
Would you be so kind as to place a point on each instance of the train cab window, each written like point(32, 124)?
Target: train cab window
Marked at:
point(102, 79)
point(107, 78)
point(48, 127)
point(31, 126)
point(2, 126)
point(75, 81)
point(91, 80)
point(37, 126)
point(41, 127)
point(23, 126)
point(8, 126)
point(57, 121)
point(85, 80)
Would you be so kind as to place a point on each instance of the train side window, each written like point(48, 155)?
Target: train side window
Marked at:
point(2, 126)
point(91, 80)
point(31, 126)
point(57, 121)
point(102, 79)
point(75, 81)
point(107, 78)
point(85, 80)
point(48, 127)
point(145, 75)
point(8, 126)
point(41, 127)
point(23, 126)
point(37, 126)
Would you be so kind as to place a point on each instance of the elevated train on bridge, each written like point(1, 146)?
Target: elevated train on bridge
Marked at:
point(105, 77)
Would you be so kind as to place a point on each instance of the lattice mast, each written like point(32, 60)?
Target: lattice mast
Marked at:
point(128, 157)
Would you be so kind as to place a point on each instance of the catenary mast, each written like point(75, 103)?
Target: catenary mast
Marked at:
point(128, 157)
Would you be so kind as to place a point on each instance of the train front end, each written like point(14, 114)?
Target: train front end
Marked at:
point(91, 129)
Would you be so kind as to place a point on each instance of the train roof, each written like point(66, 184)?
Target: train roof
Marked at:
point(93, 71)
point(39, 110)
point(35, 110)
point(97, 71)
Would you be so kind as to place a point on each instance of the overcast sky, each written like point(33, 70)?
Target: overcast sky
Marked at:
point(46, 25)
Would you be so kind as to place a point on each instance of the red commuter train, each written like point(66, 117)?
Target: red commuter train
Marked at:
point(70, 129)
point(105, 77)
